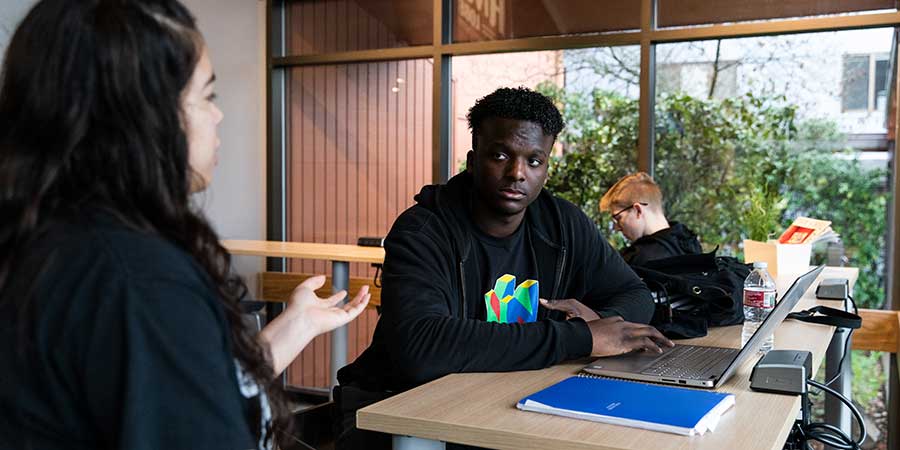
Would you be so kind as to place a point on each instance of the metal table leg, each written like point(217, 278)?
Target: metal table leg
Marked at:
point(340, 280)
point(414, 443)
point(835, 412)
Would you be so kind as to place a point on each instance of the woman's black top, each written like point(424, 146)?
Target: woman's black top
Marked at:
point(126, 346)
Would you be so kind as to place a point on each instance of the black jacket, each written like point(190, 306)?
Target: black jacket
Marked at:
point(676, 240)
point(128, 347)
point(433, 315)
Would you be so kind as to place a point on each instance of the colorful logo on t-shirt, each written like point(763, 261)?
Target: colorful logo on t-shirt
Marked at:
point(507, 305)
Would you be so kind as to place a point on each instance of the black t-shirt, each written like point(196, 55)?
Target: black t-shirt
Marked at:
point(127, 347)
point(504, 264)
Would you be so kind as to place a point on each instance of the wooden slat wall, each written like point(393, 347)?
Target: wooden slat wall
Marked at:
point(358, 153)
point(326, 26)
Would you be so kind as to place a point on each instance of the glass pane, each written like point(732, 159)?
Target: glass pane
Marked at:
point(473, 77)
point(751, 111)
point(488, 20)
point(752, 133)
point(597, 91)
point(326, 26)
point(360, 148)
point(855, 82)
point(881, 86)
point(700, 12)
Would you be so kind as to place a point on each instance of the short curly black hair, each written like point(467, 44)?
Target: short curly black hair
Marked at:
point(519, 103)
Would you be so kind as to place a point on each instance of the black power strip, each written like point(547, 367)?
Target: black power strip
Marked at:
point(370, 241)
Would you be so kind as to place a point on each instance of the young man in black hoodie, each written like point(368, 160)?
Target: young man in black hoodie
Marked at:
point(636, 205)
point(452, 258)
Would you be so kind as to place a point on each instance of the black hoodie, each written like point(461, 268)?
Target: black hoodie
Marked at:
point(432, 289)
point(676, 240)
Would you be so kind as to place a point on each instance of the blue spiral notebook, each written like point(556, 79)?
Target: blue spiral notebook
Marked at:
point(619, 402)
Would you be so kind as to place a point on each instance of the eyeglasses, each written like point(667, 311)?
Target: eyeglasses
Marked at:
point(623, 210)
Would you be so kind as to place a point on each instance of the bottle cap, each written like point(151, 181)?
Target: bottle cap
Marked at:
point(760, 265)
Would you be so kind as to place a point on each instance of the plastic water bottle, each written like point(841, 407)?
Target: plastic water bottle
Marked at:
point(759, 301)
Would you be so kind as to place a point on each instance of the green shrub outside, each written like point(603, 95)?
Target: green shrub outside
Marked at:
point(742, 167)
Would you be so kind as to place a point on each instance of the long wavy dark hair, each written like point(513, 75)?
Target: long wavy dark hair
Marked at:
point(90, 116)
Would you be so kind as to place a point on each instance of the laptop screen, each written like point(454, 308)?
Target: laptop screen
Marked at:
point(783, 307)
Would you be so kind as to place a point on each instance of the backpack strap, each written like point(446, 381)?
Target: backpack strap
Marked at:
point(828, 316)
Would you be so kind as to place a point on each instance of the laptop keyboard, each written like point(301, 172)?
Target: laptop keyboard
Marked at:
point(689, 362)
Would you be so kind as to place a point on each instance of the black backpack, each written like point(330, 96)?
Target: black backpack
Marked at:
point(695, 292)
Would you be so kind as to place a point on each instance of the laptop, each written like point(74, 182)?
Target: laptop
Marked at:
point(696, 365)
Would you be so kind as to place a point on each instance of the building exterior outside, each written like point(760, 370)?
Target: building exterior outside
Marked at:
point(838, 75)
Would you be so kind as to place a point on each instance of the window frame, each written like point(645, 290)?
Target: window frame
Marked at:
point(443, 50)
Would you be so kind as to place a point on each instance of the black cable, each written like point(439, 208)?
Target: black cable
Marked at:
point(805, 417)
point(377, 280)
point(840, 368)
point(829, 434)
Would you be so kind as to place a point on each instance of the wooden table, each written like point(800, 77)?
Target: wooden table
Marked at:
point(479, 408)
point(340, 255)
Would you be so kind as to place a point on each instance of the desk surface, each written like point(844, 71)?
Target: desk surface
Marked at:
point(305, 250)
point(479, 408)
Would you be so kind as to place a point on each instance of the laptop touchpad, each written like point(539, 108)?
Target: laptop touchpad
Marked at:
point(629, 362)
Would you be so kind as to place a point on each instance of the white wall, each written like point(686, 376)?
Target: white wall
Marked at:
point(236, 200)
point(11, 13)
point(235, 35)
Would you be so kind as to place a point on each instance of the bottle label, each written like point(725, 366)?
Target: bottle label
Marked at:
point(759, 299)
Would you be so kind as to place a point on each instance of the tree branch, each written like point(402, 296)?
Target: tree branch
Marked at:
point(715, 74)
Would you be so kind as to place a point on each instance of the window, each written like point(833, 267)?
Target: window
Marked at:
point(488, 20)
point(697, 79)
point(597, 91)
point(785, 114)
point(864, 79)
point(359, 148)
point(475, 76)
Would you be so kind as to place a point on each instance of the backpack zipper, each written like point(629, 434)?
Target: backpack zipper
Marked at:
point(462, 289)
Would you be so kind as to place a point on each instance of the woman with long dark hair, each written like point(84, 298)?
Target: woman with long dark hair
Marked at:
point(119, 312)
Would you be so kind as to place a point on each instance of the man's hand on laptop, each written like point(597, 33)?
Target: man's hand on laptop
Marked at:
point(614, 336)
point(573, 308)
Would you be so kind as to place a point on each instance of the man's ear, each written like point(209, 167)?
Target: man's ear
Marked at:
point(638, 210)
point(470, 160)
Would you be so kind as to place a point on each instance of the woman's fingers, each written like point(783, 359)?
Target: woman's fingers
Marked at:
point(313, 282)
point(335, 298)
point(360, 297)
point(357, 306)
point(363, 291)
